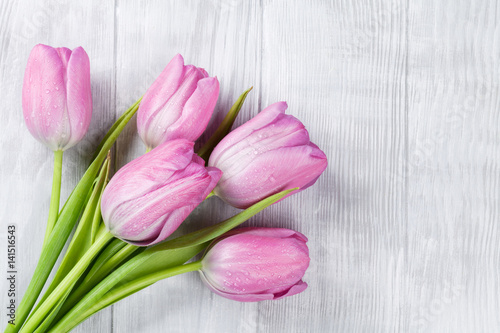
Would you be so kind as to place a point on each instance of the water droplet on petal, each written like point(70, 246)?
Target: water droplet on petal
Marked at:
point(47, 91)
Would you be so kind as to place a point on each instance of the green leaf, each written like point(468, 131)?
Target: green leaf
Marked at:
point(65, 286)
point(110, 258)
point(122, 121)
point(122, 289)
point(82, 239)
point(223, 128)
point(45, 325)
point(157, 258)
point(65, 223)
point(211, 232)
point(116, 248)
point(160, 258)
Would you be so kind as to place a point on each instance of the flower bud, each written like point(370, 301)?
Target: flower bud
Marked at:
point(268, 154)
point(178, 105)
point(57, 101)
point(256, 264)
point(150, 197)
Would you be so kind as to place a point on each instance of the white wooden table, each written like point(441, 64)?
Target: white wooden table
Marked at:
point(402, 96)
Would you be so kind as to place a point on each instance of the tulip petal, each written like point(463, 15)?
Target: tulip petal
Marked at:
point(79, 96)
point(270, 153)
point(270, 173)
point(188, 189)
point(43, 103)
point(294, 290)
point(172, 110)
point(266, 232)
point(56, 89)
point(236, 297)
point(266, 118)
point(151, 196)
point(169, 226)
point(254, 264)
point(150, 171)
point(158, 95)
point(165, 112)
point(284, 134)
point(64, 54)
point(197, 111)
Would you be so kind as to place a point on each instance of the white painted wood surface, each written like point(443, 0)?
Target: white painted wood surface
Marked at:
point(402, 96)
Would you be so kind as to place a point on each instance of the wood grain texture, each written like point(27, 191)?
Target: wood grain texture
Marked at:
point(452, 167)
point(402, 96)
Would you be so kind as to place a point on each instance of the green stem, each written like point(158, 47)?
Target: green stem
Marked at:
point(100, 290)
point(93, 278)
point(56, 194)
point(123, 291)
point(66, 284)
point(109, 265)
point(178, 250)
point(65, 223)
point(80, 241)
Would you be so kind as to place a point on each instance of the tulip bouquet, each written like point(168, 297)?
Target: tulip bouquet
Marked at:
point(122, 223)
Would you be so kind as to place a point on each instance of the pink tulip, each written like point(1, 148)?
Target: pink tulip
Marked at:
point(178, 105)
point(256, 264)
point(57, 101)
point(268, 154)
point(148, 198)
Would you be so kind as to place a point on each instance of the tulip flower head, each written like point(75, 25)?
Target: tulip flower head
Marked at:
point(256, 264)
point(178, 105)
point(150, 197)
point(268, 154)
point(57, 101)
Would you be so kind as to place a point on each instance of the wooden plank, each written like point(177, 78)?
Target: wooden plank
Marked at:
point(343, 70)
point(453, 164)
